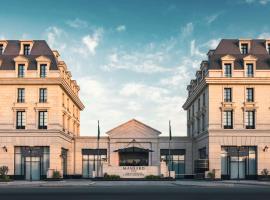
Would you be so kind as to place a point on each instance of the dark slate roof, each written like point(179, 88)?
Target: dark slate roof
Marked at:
point(40, 48)
point(230, 46)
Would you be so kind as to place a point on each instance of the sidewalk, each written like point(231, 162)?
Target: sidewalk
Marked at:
point(226, 183)
point(64, 183)
point(88, 183)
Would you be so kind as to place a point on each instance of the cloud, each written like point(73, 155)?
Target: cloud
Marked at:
point(91, 42)
point(264, 35)
point(262, 2)
point(210, 19)
point(187, 29)
point(121, 28)
point(55, 37)
point(151, 93)
point(77, 23)
point(148, 61)
point(194, 50)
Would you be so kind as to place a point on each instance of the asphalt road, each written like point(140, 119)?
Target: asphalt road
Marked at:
point(135, 193)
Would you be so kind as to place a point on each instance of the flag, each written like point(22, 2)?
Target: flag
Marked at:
point(170, 131)
point(98, 136)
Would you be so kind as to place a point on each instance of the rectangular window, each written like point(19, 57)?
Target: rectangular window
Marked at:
point(244, 48)
point(26, 49)
point(193, 110)
point(198, 126)
point(1, 49)
point(227, 94)
point(199, 104)
point(228, 70)
point(20, 71)
point(20, 120)
point(268, 48)
point(228, 119)
point(250, 95)
point(42, 95)
point(21, 95)
point(203, 153)
point(203, 99)
point(250, 119)
point(250, 70)
point(42, 119)
point(203, 123)
point(43, 72)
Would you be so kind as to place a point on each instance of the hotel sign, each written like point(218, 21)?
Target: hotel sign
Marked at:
point(134, 171)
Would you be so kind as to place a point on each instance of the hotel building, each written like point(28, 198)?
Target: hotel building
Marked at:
point(40, 125)
point(228, 109)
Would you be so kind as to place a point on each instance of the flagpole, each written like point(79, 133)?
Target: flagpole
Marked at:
point(98, 156)
point(170, 137)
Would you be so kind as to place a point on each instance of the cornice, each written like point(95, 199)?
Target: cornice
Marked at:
point(238, 80)
point(194, 94)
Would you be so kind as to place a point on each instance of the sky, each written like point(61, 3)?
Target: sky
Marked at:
point(134, 58)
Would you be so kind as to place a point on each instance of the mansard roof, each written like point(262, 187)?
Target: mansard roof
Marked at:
point(40, 48)
point(231, 47)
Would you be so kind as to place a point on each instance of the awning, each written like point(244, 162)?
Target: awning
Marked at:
point(94, 151)
point(133, 150)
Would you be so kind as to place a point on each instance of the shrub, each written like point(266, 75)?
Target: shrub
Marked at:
point(152, 177)
point(265, 172)
point(111, 177)
point(56, 174)
point(212, 175)
point(3, 173)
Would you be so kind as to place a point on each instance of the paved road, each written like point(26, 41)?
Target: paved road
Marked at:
point(135, 192)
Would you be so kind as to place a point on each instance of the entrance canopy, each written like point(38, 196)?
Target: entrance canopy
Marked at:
point(133, 150)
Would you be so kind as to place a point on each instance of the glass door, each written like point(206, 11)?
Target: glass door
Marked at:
point(32, 168)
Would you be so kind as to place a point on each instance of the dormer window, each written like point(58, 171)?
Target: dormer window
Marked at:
point(26, 49)
point(244, 48)
point(43, 72)
point(250, 70)
point(1, 49)
point(228, 70)
point(21, 70)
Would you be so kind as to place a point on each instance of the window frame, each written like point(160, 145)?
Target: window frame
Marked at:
point(21, 95)
point(43, 95)
point(1, 49)
point(42, 119)
point(249, 96)
point(26, 49)
point(244, 48)
point(250, 73)
point(20, 119)
point(227, 119)
point(43, 71)
point(250, 119)
point(21, 70)
point(226, 99)
point(228, 68)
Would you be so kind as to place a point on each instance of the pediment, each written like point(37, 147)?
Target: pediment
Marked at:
point(250, 57)
point(133, 129)
point(228, 57)
point(43, 59)
point(20, 59)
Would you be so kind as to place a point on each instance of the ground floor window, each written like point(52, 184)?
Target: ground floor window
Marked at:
point(92, 161)
point(175, 160)
point(238, 162)
point(64, 156)
point(31, 163)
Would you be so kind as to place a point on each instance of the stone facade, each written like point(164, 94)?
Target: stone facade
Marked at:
point(235, 119)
